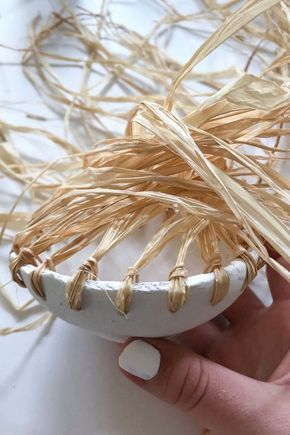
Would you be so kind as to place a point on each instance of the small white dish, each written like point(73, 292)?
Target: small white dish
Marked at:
point(149, 315)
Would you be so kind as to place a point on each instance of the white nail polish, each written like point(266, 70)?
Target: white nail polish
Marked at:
point(140, 359)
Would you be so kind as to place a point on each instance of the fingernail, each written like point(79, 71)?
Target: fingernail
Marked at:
point(140, 359)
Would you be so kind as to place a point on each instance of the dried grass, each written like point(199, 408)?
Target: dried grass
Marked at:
point(185, 154)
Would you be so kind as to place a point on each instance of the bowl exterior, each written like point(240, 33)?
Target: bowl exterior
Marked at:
point(149, 315)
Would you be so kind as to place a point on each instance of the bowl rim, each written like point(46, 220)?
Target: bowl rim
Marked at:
point(142, 286)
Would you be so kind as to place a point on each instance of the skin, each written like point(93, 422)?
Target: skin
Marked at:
point(232, 374)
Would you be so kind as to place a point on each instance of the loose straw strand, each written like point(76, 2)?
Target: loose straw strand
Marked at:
point(44, 319)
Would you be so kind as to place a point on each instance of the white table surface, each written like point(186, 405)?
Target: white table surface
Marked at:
point(61, 380)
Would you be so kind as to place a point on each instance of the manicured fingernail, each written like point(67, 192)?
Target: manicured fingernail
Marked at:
point(140, 359)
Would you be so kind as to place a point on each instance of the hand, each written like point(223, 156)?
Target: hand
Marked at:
point(232, 379)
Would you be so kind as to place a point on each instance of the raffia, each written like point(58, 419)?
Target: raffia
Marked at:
point(179, 159)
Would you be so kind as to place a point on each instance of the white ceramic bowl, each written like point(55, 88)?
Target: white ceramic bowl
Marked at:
point(149, 315)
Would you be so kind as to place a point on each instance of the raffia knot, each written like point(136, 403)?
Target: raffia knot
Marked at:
point(35, 276)
point(222, 282)
point(177, 292)
point(213, 263)
point(125, 292)
point(24, 256)
point(239, 251)
point(90, 266)
point(252, 267)
point(87, 271)
point(222, 285)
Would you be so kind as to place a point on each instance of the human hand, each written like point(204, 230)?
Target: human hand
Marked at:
point(232, 379)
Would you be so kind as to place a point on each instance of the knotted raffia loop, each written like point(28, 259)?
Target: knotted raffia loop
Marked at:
point(125, 292)
point(35, 276)
point(208, 241)
point(222, 284)
point(177, 292)
point(214, 262)
point(24, 256)
point(89, 270)
point(260, 263)
point(251, 264)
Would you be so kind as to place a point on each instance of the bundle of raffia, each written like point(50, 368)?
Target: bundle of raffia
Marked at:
point(189, 162)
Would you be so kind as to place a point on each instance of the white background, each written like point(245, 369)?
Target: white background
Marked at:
point(61, 380)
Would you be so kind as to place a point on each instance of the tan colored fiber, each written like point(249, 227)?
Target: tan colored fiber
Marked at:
point(89, 270)
point(35, 276)
point(125, 292)
point(247, 12)
point(45, 318)
point(203, 162)
point(24, 256)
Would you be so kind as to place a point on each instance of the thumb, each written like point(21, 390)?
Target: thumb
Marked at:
point(218, 398)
